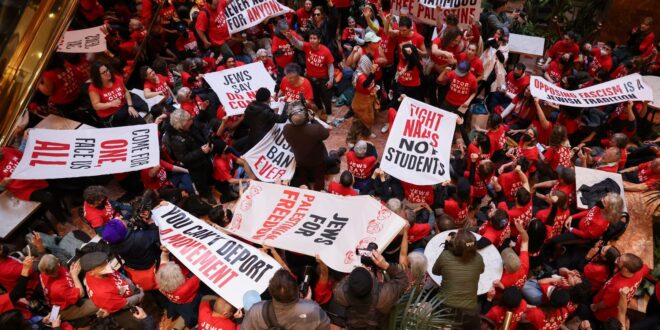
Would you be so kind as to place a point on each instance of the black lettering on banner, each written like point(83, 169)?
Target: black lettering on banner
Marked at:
point(140, 147)
point(249, 264)
point(629, 87)
point(83, 153)
point(74, 44)
point(421, 164)
point(92, 41)
point(328, 229)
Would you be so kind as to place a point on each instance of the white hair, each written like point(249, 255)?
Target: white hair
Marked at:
point(418, 264)
point(178, 119)
point(169, 277)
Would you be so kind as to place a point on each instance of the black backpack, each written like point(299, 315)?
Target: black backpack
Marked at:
point(268, 311)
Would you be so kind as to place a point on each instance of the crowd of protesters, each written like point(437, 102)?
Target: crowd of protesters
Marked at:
point(513, 161)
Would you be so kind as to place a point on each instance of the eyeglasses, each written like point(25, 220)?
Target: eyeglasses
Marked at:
point(104, 71)
point(317, 14)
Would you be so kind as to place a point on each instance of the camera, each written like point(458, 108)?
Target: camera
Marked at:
point(365, 254)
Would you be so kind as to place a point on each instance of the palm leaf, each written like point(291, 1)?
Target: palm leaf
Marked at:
point(420, 309)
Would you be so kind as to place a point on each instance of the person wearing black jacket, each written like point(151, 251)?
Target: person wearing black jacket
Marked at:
point(190, 146)
point(260, 118)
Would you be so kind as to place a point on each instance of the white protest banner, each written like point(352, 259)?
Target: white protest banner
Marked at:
point(227, 265)
point(237, 87)
point(90, 40)
point(55, 154)
point(417, 150)
point(630, 87)
point(271, 159)
point(312, 222)
point(244, 14)
point(424, 11)
point(523, 44)
point(150, 102)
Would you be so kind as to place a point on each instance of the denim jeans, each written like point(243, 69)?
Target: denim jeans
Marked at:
point(532, 292)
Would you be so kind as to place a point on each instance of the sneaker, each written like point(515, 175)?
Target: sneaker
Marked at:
point(385, 128)
point(341, 151)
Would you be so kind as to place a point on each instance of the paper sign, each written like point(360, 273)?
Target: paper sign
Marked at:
point(311, 222)
point(237, 87)
point(150, 102)
point(227, 265)
point(589, 177)
point(55, 154)
point(630, 87)
point(523, 44)
point(424, 11)
point(90, 40)
point(418, 147)
point(271, 159)
point(244, 14)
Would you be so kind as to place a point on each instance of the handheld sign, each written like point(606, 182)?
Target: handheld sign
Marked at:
point(90, 40)
point(237, 87)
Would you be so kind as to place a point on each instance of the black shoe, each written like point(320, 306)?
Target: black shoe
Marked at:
point(341, 151)
point(228, 197)
point(210, 199)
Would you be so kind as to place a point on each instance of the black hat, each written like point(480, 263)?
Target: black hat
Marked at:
point(360, 283)
point(263, 95)
point(92, 260)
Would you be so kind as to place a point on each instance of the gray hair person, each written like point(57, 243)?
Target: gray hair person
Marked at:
point(180, 120)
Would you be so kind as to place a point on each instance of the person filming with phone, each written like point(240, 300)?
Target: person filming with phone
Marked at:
point(368, 298)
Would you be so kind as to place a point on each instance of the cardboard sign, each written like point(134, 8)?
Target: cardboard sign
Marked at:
point(628, 88)
point(90, 40)
point(237, 87)
point(244, 14)
point(589, 177)
point(492, 261)
point(55, 154)
point(271, 159)
point(523, 44)
point(312, 222)
point(228, 266)
point(419, 145)
point(425, 11)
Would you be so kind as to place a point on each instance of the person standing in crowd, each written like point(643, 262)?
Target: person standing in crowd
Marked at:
point(63, 288)
point(363, 100)
point(212, 28)
point(260, 118)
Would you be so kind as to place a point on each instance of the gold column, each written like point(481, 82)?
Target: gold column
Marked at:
point(25, 55)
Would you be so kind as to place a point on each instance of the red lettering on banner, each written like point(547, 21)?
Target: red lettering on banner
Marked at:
point(282, 209)
point(39, 152)
point(113, 151)
point(267, 170)
point(424, 124)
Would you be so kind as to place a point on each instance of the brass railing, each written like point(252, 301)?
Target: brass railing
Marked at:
point(26, 53)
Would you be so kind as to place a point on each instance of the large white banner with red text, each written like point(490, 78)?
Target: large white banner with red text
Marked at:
point(237, 87)
point(271, 159)
point(55, 154)
point(227, 265)
point(425, 11)
point(312, 222)
point(244, 14)
point(419, 145)
point(628, 88)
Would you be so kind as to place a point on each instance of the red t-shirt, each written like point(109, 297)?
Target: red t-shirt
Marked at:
point(360, 168)
point(593, 225)
point(609, 294)
point(317, 61)
point(109, 291)
point(10, 271)
point(568, 189)
point(479, 189)
point(221, 67)
point(96, 217)
point(510, 182)
point(561, 47)
point(520, 276)
point(418, 194)
point(558, 224)
point(531, 153)
point(457, 211)
point(410, 78)
point(209, 322)
point(360, 82)
point(60, 290)
point(303, 14)
point(186, 42)
point(552, 320)
point(216, 25)
point(21, 189)
point(222, 167)
point(185, 293)
point(555, 71)
point(557, 156)
point(159, 180)
point(523, 213)
point(497, 138)
point(388, 45)
point(161, 86)
point(107, 94)
point(337, 188)
point(498, 314)
point(600, 62)
point(496, 237)
point(66, 88)
point(284, 50)
point(418, 231)
point(646, 175)
point(597, 274)
point(456, 51)
point(460, 88)
point(415, 39)
point(476, 66)
point(292, 93)
point(543, 134)
point(516, 86)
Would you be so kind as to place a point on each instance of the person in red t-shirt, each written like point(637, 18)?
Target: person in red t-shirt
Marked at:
point(9, 299)
point(294, 84)
point(283, 51)
point(60, 84)
point(556, 216)
point(304, 13)
point(408, 73)
point(406, 36)
point(361, 161)
point(155, 85)
point(63, 288)
point(155, 178)
point(223, 171)
point(558, 152)
point(631, 272)
point(567, 45)
point(592, 223)
point(516, 82)
point(344, 186)
point(320, 67)
point(110, 291)
point(110, 98)
point(511, 300)
point(516, 268)
point(97, 209)
point(643, 177)
point(476, 65)
point(553, 316)
point(494, 231)
point(181, 290)
point(212, 27)
point(418, 194)
point(445, 49)
point(558, 69)
point(601, 266)
point(216, 313)
point(602, 58)
point(462, 87)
